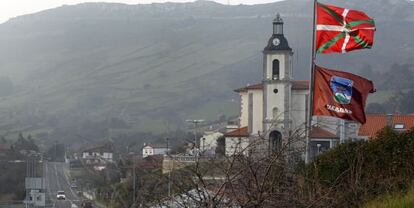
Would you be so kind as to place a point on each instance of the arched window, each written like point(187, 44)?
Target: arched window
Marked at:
point(275, 141)
point(275, 112)
point(275, 69)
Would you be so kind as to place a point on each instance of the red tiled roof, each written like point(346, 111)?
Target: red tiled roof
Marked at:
point(241, 132)
point(376, 122)
point(296, 85)
point(156, 146)
point(258, 86)
point(318, 132)
point(300, 85)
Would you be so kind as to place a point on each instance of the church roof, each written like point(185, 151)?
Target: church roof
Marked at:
point(300, 85)
point(240, 132)
point(318, 132)
point(258, 86)
point(376, 122)
point(296, 85)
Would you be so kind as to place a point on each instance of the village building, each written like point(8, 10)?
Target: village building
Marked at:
point(376, 122)
point(98, 155)
point(208, 143)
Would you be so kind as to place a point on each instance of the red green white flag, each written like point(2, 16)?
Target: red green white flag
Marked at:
point(340, 94)
point(339, 30)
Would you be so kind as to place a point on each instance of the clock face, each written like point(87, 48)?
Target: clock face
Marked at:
point(276, 41)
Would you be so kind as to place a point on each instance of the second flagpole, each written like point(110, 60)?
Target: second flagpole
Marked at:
point(310, 99)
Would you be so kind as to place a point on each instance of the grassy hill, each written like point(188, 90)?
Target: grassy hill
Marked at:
point(72, 70)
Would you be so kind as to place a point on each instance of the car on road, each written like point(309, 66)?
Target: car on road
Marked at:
point(60, 195)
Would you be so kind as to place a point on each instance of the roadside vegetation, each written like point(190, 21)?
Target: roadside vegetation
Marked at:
point(13, 167)
point(403, 200)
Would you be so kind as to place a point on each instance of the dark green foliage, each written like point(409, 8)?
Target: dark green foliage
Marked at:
point(407, 102)
point(25, 144)
point(356, 172)
point(12, 181)
point(375, 108)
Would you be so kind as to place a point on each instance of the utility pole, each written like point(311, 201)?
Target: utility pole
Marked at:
point(134, 176)
point(168, 148)
point(204, 146)
point(169, 173)
point(195, 122)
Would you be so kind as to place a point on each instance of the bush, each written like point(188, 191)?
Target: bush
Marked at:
point(356, 172)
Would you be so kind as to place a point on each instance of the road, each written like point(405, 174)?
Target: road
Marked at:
point(57, 179)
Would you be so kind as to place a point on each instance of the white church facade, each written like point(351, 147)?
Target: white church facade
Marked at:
point(276, 109)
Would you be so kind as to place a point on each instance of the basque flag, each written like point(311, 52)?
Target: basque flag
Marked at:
point(339, 30)
point(340, 94)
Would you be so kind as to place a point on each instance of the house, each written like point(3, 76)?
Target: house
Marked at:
point(376, 122)
point(208, 143)
point(99, 155)
point(154, 149)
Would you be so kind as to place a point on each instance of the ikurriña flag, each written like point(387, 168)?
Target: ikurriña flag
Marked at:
point(340, 94)
point(339, 30)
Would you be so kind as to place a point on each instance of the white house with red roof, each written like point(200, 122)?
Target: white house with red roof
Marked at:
point(154, 149)
point(376, 122)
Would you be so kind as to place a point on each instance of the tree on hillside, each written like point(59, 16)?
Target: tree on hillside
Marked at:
point(375, 108)
point(25, 144)
point(407, 103)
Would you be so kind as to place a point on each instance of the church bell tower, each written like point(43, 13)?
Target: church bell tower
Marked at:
point(277, 86)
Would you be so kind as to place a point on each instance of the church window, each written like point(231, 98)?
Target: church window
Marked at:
point(275, 69)
point(275, 112)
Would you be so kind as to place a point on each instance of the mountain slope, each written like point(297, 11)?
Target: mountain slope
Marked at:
point(150, 67)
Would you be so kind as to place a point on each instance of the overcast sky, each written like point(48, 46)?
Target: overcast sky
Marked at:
point(13, 8)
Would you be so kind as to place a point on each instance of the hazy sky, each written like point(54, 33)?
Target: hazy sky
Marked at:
point(13, 8)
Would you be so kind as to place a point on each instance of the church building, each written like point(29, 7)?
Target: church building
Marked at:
point(273, 113)
point(275, 110)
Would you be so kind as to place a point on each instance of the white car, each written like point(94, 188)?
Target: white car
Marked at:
point(60, 195)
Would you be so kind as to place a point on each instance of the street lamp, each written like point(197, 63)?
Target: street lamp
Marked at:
point(168, 148)
point(195, 122)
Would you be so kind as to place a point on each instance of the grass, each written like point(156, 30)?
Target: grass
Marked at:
point(393, 201)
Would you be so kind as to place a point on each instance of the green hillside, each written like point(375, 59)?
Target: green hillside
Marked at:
point(89, 70)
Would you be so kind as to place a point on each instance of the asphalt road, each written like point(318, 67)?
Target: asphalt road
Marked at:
point(57, 179)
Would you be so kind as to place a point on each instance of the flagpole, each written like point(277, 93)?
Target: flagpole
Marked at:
point(311, 88)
